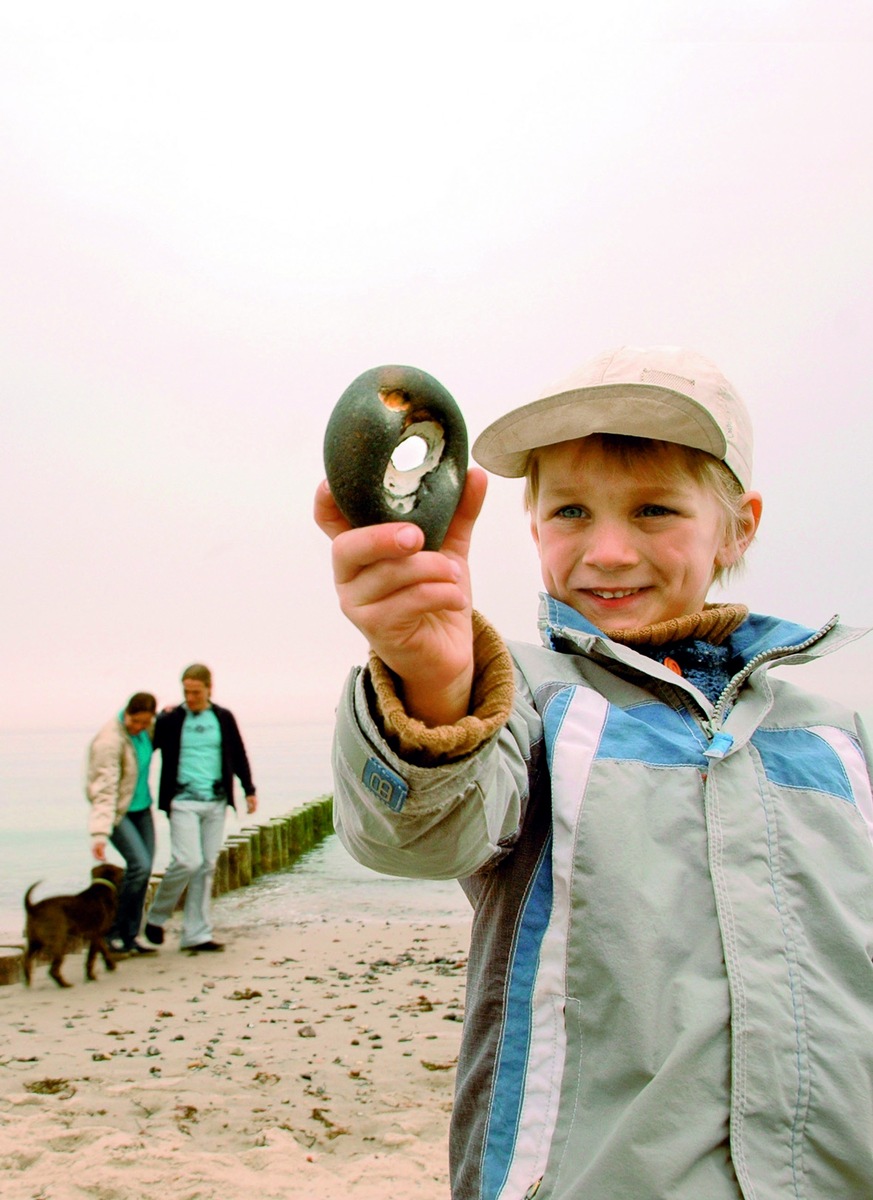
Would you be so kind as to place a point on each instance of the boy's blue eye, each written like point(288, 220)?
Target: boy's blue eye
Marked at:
point(570, 510)
point(655, 510)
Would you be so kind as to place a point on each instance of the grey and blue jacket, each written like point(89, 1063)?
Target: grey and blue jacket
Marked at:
point(670, 986)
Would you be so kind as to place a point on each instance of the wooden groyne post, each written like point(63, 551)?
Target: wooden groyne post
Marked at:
point(258, 850)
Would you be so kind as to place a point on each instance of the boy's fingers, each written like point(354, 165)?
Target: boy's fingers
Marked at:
point(390, 540)
point(355, 549)
point(327, 515)
point(388, 578)
point(359, 548)
point(461, 529)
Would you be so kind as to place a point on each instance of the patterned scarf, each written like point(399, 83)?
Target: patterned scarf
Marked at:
point(696, 646)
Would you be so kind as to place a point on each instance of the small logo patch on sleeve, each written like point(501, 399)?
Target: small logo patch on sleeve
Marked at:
point(385, 784)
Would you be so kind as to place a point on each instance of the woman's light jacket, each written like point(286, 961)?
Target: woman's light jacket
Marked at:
point(111, 775)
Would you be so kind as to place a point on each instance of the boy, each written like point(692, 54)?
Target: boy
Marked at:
point(668, 852)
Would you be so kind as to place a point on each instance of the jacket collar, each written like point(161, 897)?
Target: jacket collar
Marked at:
point(562, 628)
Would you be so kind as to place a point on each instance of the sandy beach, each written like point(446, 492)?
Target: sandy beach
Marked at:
point(312, 1060)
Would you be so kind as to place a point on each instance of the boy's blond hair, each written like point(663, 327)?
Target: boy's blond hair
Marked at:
point(706, 470)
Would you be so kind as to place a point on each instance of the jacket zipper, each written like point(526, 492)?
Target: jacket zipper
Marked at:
point(752, 665)
point(720, 743)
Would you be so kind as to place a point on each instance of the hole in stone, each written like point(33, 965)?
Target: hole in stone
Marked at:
point(409, 454)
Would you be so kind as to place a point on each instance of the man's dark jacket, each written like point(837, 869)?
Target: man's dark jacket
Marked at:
point(234, 761)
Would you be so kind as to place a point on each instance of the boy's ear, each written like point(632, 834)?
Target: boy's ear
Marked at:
point(751, 506)
point(534, 532)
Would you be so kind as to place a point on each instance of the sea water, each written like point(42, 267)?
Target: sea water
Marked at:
point(44, 831)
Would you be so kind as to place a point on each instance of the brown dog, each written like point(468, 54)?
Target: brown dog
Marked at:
point(54, 925)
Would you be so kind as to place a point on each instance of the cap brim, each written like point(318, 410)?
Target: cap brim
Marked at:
point(635, 410)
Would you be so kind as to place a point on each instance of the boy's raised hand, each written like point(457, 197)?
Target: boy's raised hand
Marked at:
point(413, 606)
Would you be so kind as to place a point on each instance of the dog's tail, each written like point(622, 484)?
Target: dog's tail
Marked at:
point(28, 907)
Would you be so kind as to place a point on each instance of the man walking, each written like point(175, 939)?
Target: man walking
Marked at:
point(201, 752)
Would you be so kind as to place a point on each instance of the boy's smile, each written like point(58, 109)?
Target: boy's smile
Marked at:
point(626, 544)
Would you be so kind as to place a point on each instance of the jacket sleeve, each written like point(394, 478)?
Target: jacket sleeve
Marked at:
point(159, 731)
point(239, 760)
point(103, 782)
point(442, 821)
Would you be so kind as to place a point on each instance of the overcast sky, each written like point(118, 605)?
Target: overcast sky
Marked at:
point(215, 216)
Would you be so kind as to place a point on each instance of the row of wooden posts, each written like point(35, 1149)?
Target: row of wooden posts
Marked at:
point(262, 849)
point(256, 850)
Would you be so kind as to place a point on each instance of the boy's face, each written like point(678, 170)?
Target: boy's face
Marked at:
point(625, 545)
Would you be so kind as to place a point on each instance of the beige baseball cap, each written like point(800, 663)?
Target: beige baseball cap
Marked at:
point(661, 392)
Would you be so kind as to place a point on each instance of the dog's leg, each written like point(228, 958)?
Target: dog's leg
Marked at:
point(107, 954)
point(29, 955)
point(91, 959)
point(98, 946)
point(55, 971)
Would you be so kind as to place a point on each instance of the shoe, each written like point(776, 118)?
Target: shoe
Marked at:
point(205, 946)
point(117, 948)
point(155, 934)
point(136, 947)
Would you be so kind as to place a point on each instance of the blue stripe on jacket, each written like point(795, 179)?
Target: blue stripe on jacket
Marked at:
point(512, 1055)
point(654, 734)
point(799, 758)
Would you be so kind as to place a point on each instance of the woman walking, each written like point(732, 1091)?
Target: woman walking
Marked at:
point(121, 811)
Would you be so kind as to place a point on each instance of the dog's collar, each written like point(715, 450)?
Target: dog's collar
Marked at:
point(106, 883)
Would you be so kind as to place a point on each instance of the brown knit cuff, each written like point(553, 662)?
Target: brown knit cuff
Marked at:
point(491, 704)
point(714, 623)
